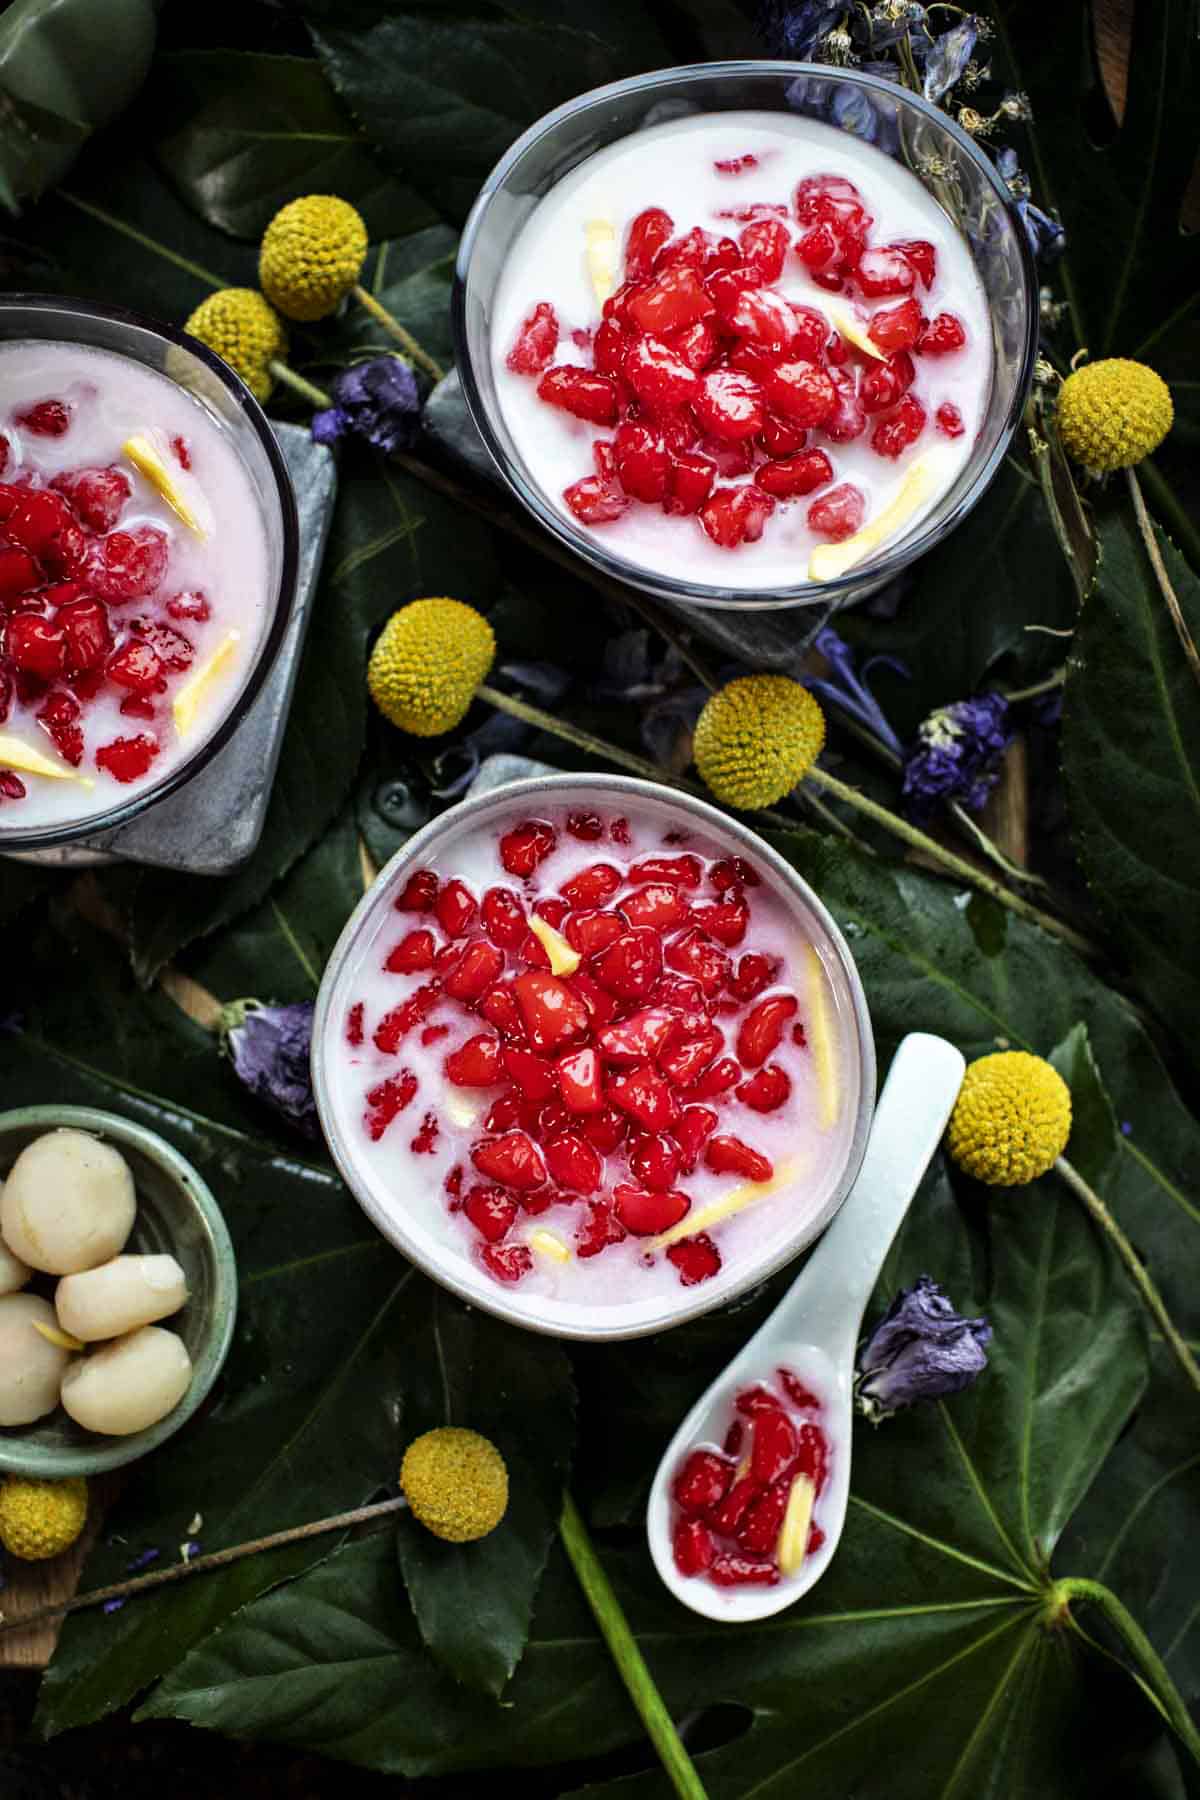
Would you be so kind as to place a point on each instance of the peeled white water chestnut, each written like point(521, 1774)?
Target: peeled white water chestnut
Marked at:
point(129, 1384)
point(13, 1272)
point(68, 1203)
point(31, 1367)
point(119, 1296)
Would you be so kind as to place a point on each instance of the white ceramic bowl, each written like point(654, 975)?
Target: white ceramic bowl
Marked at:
point(435, 1250)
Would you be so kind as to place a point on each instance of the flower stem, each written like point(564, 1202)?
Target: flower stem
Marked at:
point(631, 1664)
point(1039, 687)
point(1142, 1651)
point(404, 338)
point(1136, 1268)
point(289, 378)
point(1160, 574)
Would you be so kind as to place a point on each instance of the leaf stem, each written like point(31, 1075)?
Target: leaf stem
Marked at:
point(1136, 1268)
point(289, 378)
point(201, 1565)
point(1146, 528)
point(403, 337)
point(631, 1664)
point(1039, 687)
point(1142, 1651)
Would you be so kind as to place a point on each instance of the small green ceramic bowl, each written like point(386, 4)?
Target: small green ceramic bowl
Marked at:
point(176, 1213)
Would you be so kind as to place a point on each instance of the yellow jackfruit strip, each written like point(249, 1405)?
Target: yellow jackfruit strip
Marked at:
point(736, 1201)
point(16, 755)
point(563, 960)
point(195, 692)
point(149, 461)
point(828, 561)
point(848, 327)
point(793, 1533)
point(601, 257)
point(548, 1243)
point(822, 1038)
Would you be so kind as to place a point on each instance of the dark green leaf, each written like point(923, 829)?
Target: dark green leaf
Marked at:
point(1131, 755)
point(411, 277)
point(1095, 1142)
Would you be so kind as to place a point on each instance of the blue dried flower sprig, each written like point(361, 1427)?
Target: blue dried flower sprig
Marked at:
point(920, 1350)
point(957, 756)
point(377, 400)
point(269, 1049)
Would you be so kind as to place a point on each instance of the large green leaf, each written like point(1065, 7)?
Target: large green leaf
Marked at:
point(1131, 756)
point(239, 135)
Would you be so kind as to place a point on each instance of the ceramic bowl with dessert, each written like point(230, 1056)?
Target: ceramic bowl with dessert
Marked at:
point(752, 334)
point(148, 547)
point(118, 1291)
point(593, 1055)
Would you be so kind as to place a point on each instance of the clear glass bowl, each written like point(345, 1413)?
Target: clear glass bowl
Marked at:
point(167, 350)
point(950, 166)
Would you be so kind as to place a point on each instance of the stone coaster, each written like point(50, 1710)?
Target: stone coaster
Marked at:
point(214, 823)
point(774, 640)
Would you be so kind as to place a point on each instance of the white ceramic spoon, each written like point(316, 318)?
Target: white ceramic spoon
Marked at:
point(815, 1328)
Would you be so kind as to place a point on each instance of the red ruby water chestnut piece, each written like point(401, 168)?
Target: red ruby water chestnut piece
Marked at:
point(36, 645)
point(599, 1228)
point(775, 1446)
point(830, 198)
point(883, 383)
point(504, 919)
point(44, 524)
point(763, 318)
point(847, 420)
point(354, 1025)
point(696, 956)
point(689, 1053)
point(396, 1024)
point(387, 1099)
point(753, 1400)
point(578, 1077)
point(949, 420)
point(659, 376)
point(128, 759)
point(646, 1214)
point(726, 1517)
point(580, 392)
point(477, 1063)
point(764, 244)
point(586, 826)
point(762, 1028)
point(96, 496)
point(839, 513)
point(895, 328)
point(638, 1038)
point(552, 1014)
point(733, 516)
point(658, 905)
point(491, 1211)
point(592, 932)
point(595, 500)
point(921, 254)
point(727, 1155)
point(801, 392)
point(654, 1158)
point(455, 908)
point(499, 1008)
point(759, 1530)
point(127, 564)
point(606, 1129)
point(791, 476)
point(893, 436)
point(675, 298)
point(692, 1546)
point(172, 649)
point(642, 462)
point(729, 405)
point(697, 1259)
point(691, 1130)
point(49, 418)
point(943, 334)
point(796, 1391)
point(58, 717)
point(532, 1074)
point(536, 341)
point(733, 1570)
point(513, 1160)
point(507, 1262)
point(650, 231)
point(882, 272)
point(753, 973)
point(574, 1163)
point(812, 1453)
point(682, 871)
point(136, 666)
point(698, 345)
point(645, 1096)
point(412, 954)
point(18, 572)
point(767, 1090)
point(702, 1482)
point(630, 967)
point(526, 845)
point(425, 1142)
point(601, 1006)
point(418, 893)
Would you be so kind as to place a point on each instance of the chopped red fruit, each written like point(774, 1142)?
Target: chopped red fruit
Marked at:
point(733, 871)
point(36, 645)
point(736, 515)
point(396, 1024)
point(763, 318)
point(697, 344)
point(694, 955)
point(599, 1228)
point(5, 449)
point(780, 437)
point(173, 650)
point(578, 1077)
point(182, 452)
point(654, 1159)
point(893, 435)
point(507, 1262)
point(702, 1482)
point(759, 1530)
point(476, 1063)
point(526, 845)
point(127, 564)
point(49, 418)
point(830, 198)
point(727, 1517)
point(797, 1393)
point(802, 392)
point(767, 1090)
point(775, 1446)
point(553, 1015)
point(692, 1546)
point(729, 405)
point(43, 524)
point(610, 349)
point(504, 918)
point(734, 1438)
point(642, 461)
point(697, 1259)
point(727, 1155)
point(631, 966)
point(411, 954)
point(574, 1163)
point(387, 1099)
point(595, 500)
point(813, 1453)
point(419, 893)
point(189, 604)
point(474, 971)
point(135, 666)
point(606, 1129)
point(764, 244)
point(691, 1130)
point(921, 254)
point(896, 327)
point(647, 236)
point(725, 920)
point(133, 706)
point(619, 832)
point(499, 1008)
point(425, 1142)
point(58, 717)
point(675, 298)
point(18, 572)
point(96, 496)
point(847, 420)
point(683, 871)
point(943, 334)
point(587, 826)
point(432, 1034)
point(455, 908)
point(736, 165)
point(536, 341)
point(532, 1074)
point(354, 1025)
point(638, 1038)
point(839, 513)
point(601, 1006)
point(763, 1027)
point(949, 420)
point(689, 1053)
point(818, 247)
point(795, 475)
point(731, 1570)
point(882, 272)
point(592, 932)
point(503, 1113)
point(883, 383)
point(645, 1096)
point(658, 905)
point(659, 376)
point(513, 1160)
point(693, 248)
point(579, 391)
point(491, 1211)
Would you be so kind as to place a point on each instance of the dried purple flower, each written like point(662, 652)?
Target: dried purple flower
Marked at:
point(141, 1561)
point(1046, 236)
point(792, 32)
point(850, 691)
point(948, 58)
point(112, 1606)
point(920, 1350)
point(377, 400)
point(269, 1049)
point(957, 755)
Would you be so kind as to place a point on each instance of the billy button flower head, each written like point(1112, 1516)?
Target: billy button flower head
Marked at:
point(456, 1483)
point(756, 739)
point(1113, 413)
point(427, 663)
point(41, 1519)
point(244, 331)
point(1011, 1120)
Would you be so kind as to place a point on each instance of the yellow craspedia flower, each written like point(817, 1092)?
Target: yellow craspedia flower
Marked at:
point(1113, 413)
point(427, 662)
point(1011, 1120)
point(757, 738)
point(245, 332)
point(312, 254)
point(456, 1483)
point(40, 1519)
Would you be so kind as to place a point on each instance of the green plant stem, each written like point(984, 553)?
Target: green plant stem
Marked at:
point(289, 378)
point(631, 1664)
point(1039, 687)
point(405, 339)
point(1154, 554)
point(1149, 1663)
point(1136, 1268)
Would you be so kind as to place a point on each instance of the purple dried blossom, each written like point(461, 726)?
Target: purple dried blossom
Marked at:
point(141, 1561)
point(1046, 236)
point(112, 1606)
point(377, 400)
point(269, 1049)
point(957, 755)
point(793, 32)
point(849, 691)
point(921, 1349)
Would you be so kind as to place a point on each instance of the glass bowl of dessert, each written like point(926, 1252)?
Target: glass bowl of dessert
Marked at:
point(594, 1056)
point(148, 552)
point(749, 334)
